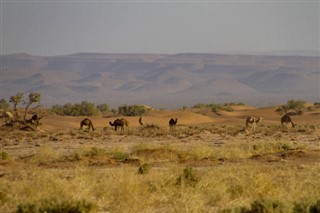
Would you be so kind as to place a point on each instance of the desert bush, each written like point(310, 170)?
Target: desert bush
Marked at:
point(199, 106)
point(316, 105)
point(293, 106)
point(3, 196)
point(56, 206)
point(103, 107)
point(267, 206)
point(300, 207)
point(120, 156)
point(133, 110)
point(315, 208)
point(153, 132)
point(19, 120)
point(188, 178)
point(94, 152)
point(144, 169)
point(84, 108)
point(4, 155)
point(4, 105)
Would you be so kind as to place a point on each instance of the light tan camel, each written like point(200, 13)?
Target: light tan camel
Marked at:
point(252, 122)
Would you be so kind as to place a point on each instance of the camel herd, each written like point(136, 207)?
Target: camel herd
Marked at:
point(251, 123)
point(121, 123)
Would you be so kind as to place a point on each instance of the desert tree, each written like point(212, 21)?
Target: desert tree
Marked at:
point(4, 105)
point(34, 98)
point(24, 123)
point(16, 100)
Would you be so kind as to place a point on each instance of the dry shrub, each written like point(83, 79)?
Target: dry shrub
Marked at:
point(56, 205)
point(144, 169)
point(4, 156)
point(188, 178)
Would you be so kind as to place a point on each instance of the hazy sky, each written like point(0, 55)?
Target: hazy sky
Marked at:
point(65, 27)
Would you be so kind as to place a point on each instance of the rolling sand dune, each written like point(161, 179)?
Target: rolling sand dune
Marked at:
point(185, 117)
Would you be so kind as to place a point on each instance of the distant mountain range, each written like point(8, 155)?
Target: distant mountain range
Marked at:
point(162, 80)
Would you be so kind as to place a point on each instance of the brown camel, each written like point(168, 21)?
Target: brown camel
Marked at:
point(87, 122)
point(286, 119)
point(172, 123)
point(35, 119)
point(119, 123)
point(141, 122)
point(252, 121)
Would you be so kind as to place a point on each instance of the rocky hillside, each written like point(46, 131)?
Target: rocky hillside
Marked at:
point(162, 80)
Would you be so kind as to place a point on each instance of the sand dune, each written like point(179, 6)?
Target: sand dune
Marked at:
point(185, 117)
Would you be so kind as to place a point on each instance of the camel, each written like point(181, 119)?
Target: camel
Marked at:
point(141, 122)
point(252, 121)
point(119, 123)
point(287, 119)
point(35, 119)
point(172, 123)
point(7, 117)
point(86, 122)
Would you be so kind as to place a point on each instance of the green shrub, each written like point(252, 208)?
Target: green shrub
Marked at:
point(103, 107)
point(316, 105)
point(4, 155)
point(267, 206)
point(55, 206)
point(4, 104)
point(133, 110)
point(121, 156)
point(84, 108)
point(144, 169)
point(315, 208)
point(294, 106)
point(3, 196)
point(300, 208)
point(188, 178)
point(94, 152)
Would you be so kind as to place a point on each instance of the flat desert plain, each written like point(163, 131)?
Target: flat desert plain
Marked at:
point(208, 163)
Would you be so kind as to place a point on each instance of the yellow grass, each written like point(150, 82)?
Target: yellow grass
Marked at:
point(98, 171)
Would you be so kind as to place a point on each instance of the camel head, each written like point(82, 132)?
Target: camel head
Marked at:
point(259, 120)
point(175, 121)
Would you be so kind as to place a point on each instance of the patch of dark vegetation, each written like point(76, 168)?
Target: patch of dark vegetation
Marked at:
point(189, 177)
point(4, 156)
point(144, 169)
point(266, 205)
point(57, 206)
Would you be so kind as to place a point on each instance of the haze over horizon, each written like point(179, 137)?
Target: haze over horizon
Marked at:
point(63, 28)
point(47, 28)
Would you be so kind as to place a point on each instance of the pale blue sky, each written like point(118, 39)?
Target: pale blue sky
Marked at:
point(66, 27)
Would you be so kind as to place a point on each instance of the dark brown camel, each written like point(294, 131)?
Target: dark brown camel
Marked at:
point(86, 122)
point(35, 119)
point(172, 123)
point(286, 119)
point(119, 123)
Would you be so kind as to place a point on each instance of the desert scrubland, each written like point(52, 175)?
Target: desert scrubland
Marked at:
point(207, 164)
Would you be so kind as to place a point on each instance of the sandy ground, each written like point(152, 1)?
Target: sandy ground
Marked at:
point(61, 133)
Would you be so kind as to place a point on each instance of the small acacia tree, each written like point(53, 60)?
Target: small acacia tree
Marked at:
point(23, 122)
point(4, 105)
